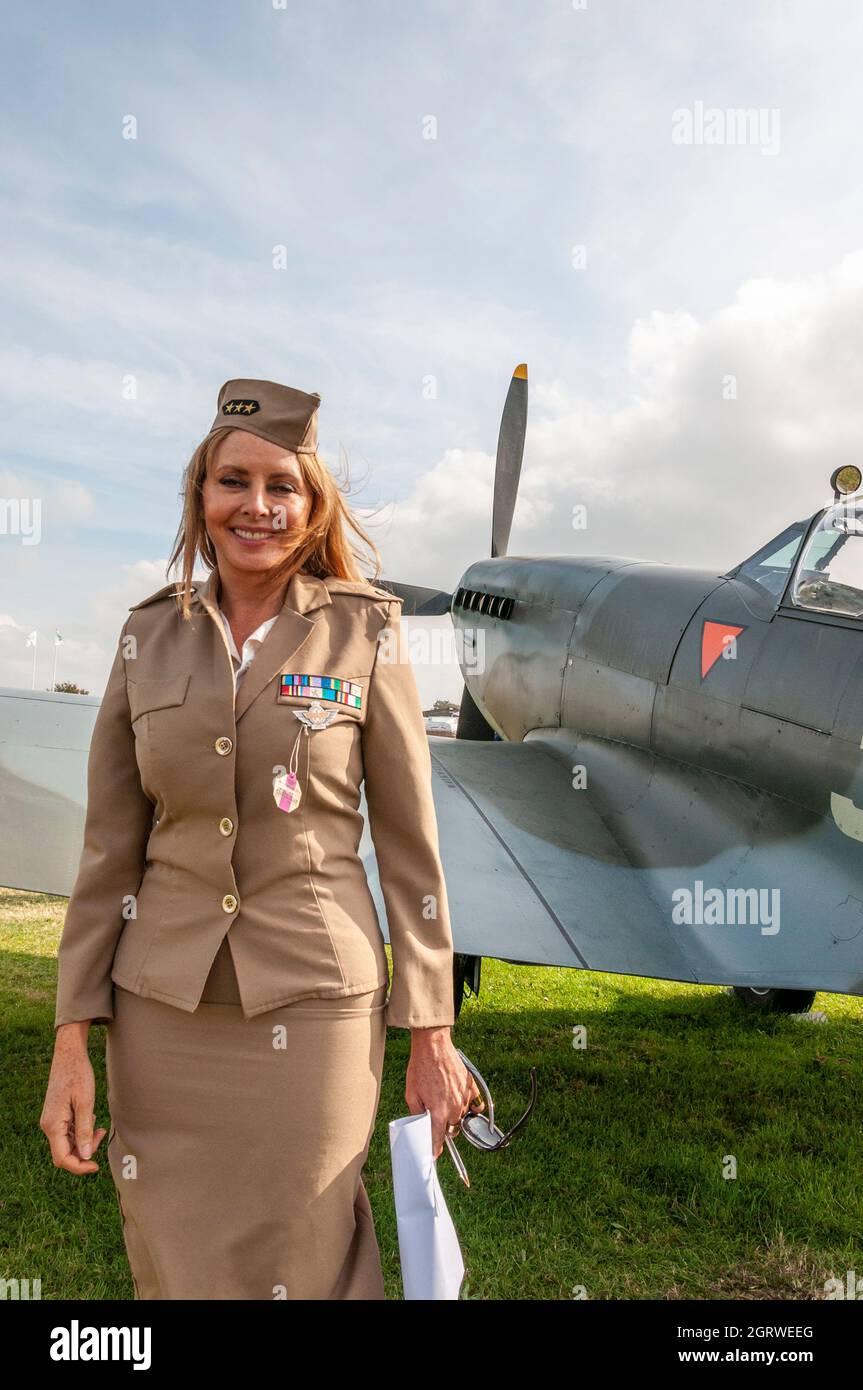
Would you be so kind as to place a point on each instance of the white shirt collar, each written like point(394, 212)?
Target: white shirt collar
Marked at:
point(250, 646)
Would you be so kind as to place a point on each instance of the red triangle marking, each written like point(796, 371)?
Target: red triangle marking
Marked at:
point(713, 640)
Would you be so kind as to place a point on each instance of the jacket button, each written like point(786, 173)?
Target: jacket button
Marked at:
point(226, 825)
point(229, 903)
point(224, 745)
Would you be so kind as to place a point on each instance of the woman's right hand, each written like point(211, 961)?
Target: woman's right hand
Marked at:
point(68, 1113)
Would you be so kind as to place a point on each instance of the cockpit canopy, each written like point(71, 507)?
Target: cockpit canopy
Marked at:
point(828, 573)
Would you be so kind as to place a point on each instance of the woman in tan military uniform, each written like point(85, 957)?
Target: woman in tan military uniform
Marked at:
point(221, 923)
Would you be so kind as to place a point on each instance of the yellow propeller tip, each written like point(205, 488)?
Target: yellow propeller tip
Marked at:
point(521, 372)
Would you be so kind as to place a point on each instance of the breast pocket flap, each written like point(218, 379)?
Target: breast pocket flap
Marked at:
point(148, 695)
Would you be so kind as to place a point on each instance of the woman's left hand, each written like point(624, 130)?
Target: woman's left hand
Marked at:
point(439, 1081)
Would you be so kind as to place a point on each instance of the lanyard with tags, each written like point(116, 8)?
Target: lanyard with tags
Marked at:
point(286, 787)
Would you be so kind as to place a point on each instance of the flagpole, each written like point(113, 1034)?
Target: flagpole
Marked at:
point(57, 640)
point(31, 642)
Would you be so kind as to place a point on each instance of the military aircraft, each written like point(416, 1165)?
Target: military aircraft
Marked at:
point(658, 770)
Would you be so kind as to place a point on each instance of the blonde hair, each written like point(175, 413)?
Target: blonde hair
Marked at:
point(320, 547)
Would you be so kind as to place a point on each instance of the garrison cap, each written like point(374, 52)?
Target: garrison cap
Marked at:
point(278, 413)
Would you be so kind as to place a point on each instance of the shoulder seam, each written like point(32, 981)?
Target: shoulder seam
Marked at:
point(360, 588)
point(167, 591)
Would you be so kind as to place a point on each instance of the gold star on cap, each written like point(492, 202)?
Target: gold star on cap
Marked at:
point(281, 414)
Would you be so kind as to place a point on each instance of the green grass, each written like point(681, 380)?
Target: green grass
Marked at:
point(617, 1182)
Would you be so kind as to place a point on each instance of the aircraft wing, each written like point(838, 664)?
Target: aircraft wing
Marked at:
point(538, 869)
point(44, 741)
point(541, 870)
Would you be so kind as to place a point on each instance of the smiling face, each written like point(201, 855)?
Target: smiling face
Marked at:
point(254, 496)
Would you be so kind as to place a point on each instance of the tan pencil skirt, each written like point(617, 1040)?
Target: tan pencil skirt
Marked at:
point(237, 1145)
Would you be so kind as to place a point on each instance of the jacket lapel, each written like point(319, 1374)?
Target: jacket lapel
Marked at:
point(305, 595)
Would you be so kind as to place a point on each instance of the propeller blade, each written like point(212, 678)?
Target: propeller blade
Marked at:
point(418, 602)
point(510, 449)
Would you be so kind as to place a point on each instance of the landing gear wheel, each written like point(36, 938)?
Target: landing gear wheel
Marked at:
point(775, 1001)
point(466, 973)
point(471, 723)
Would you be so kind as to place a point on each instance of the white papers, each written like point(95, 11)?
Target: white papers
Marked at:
point(431, 1259)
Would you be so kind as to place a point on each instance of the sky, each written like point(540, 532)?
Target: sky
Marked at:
point(458, 187)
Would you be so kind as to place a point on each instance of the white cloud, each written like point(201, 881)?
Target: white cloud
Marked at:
point(412, 260)
point(671, 470)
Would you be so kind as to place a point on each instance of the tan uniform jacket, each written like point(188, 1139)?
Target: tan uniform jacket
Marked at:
point(184, 841)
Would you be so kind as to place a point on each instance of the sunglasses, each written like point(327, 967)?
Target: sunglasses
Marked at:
point(480, 1129)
